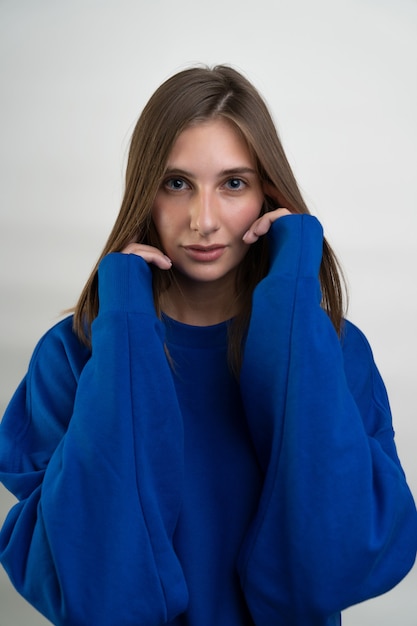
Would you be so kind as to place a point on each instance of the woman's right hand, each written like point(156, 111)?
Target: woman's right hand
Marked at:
point(149, 254)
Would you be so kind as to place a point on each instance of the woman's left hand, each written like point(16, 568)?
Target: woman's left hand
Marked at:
point(262, 225)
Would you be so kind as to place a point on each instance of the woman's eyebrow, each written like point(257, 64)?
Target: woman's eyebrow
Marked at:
point(238, 170)
point(178, 171)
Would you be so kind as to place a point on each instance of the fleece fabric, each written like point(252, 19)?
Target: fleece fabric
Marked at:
point(159, 490)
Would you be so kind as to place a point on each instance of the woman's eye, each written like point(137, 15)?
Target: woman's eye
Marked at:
point(235, 184)
point(176, 184)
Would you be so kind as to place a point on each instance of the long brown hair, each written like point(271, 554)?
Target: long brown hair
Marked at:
point(187, 98)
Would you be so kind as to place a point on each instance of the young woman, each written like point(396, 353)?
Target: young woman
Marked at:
point(205, 441)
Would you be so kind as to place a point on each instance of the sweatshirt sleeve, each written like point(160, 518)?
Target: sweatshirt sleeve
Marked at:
point(336, 522)
point(97, 466)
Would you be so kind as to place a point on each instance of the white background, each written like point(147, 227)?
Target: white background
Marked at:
point(340, 79)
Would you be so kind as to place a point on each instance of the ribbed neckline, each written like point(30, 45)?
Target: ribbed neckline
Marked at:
point(186, 335)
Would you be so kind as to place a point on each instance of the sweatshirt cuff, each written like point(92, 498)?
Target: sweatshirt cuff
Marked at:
point(125, 284)
point(296, 246)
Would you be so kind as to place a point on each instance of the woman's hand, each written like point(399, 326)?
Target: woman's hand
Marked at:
point(263, 224)
point(149, 254)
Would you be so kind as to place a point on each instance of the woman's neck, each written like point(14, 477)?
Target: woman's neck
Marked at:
point(199, 303)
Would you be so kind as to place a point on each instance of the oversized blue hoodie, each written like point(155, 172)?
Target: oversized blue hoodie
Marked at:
point(160, 491)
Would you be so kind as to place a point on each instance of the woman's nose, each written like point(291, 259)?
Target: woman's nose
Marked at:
point(204, 214)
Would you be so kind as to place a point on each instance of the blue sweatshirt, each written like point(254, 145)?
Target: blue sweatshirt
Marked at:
point(159, 491)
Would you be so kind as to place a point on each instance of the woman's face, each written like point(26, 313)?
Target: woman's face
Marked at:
point(210, 196)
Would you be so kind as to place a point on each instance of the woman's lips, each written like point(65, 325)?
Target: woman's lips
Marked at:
point(205, 253)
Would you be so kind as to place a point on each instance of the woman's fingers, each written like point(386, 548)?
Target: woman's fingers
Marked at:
point(262, 225)
point(150, 254)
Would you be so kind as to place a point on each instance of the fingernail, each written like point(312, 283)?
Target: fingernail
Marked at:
point(250, 237)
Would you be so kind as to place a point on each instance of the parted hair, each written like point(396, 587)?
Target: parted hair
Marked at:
point(192, 96)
